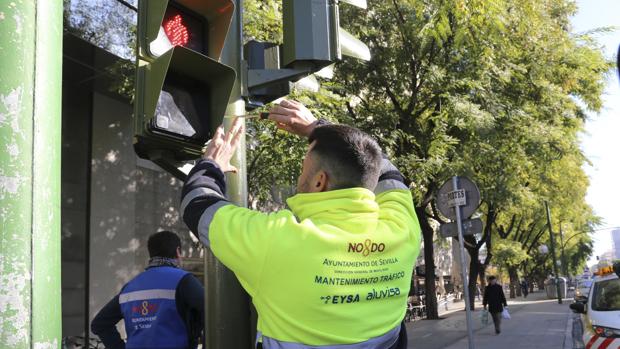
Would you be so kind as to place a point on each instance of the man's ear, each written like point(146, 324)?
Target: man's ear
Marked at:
point(319, 182)
point(178, 252)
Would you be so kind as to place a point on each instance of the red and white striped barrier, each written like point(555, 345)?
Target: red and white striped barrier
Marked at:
point(597, 342)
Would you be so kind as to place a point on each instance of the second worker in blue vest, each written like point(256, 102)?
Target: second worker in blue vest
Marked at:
point(163, 307)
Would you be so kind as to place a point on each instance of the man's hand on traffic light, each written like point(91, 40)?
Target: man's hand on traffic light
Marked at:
point(222, 146)
point(293, 117)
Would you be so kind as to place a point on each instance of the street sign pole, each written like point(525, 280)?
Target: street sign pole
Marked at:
point(457, 209)
point(563, 256)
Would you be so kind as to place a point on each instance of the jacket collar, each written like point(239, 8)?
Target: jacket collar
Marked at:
point(353, 209)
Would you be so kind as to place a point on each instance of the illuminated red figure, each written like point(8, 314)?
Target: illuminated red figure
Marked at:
point(177, 32)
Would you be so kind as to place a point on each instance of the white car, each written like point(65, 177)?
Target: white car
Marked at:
point(582, 290)
point(601, 311)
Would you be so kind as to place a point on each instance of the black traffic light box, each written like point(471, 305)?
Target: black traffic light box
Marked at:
point(313, 40)
point(312, 33)
point(182, 90)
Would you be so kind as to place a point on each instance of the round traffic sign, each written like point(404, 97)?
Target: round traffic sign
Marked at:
point(446, 198)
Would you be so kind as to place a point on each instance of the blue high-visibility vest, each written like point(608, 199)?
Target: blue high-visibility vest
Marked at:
point(149, 309)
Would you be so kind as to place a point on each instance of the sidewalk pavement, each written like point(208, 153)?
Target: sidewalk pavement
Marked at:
point(537, 322)
point(456, 306)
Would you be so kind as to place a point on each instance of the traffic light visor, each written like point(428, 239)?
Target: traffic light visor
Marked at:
point(187, 95)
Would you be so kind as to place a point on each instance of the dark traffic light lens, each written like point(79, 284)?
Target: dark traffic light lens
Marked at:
point(170, 118)
point(183, 109)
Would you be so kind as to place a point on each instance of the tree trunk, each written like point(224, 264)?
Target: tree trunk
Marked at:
point(429, 265)
point(518, 285)
point(482, 276)
point(474, 268)
point(514, 281)
point(541, 284)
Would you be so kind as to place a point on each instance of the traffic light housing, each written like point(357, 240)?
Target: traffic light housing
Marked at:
point(313, 41)
point(313, 36)
point(182, 90)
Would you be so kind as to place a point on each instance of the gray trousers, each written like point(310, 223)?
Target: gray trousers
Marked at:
point(497, 321)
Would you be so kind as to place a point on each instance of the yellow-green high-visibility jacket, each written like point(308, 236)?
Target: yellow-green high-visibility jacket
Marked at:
point(334, 269)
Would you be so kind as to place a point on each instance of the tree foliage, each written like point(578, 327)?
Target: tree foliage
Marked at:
point(509, 253)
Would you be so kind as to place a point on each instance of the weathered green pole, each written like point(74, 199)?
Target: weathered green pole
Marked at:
point(30, 128)
point(228, 322)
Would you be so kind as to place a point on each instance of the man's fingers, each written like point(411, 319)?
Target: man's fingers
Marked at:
point(289, 103)
point(236, 138)
point(279, 118)
point(218, 137)
point(283, 111)
point(235, 128)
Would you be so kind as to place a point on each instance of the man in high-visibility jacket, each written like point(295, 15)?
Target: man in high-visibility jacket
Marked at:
point(335, 269)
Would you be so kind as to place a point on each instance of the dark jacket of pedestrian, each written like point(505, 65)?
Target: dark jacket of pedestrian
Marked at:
point(494, 298)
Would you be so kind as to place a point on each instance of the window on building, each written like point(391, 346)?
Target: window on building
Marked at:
point(108, 24)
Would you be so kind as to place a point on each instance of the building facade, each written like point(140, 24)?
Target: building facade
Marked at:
point(111, 200)
point(615, 237)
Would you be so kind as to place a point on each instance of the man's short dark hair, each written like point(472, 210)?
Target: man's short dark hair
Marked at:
point(163, 244)
point(492, 278)
point(350, 157)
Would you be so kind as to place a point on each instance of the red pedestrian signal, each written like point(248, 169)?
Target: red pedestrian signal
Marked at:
point(176, 32)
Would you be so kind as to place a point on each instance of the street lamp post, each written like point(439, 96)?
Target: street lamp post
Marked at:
point(552, 248)
point(562, 256)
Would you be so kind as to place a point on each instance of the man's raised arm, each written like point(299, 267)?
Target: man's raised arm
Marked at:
point(390, 177)
point(203, 194)
point(237, 236)
point(205, 189)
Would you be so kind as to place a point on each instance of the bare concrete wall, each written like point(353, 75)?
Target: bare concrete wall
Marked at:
point(128, 203)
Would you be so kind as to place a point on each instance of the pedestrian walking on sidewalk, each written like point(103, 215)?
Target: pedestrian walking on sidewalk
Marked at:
point(495, 299)
point(524, 288)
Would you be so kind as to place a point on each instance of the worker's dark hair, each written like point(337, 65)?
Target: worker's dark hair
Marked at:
point(492, 278)
point(350, 157)
point(163, 244)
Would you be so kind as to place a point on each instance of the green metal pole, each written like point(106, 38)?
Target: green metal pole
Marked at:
point(228, 311)
point(30, 129)
point(552, 248)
